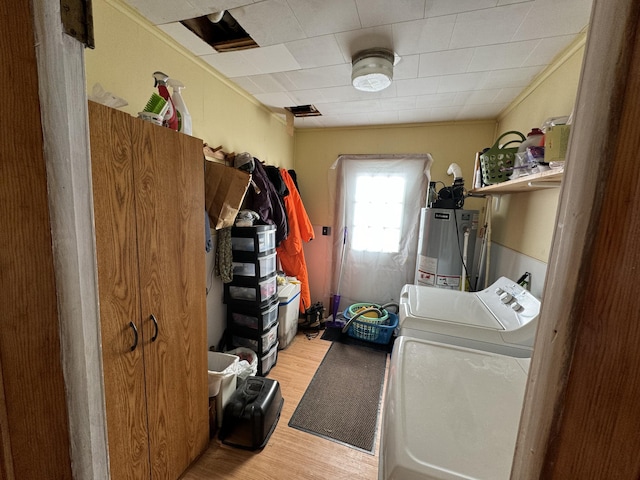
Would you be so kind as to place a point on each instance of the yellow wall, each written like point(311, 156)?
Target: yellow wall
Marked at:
point(129, 49)
point(525, 222)
point(317, 149)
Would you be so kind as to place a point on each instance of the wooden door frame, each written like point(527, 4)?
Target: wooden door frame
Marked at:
point(64, 112)
point(574, 266)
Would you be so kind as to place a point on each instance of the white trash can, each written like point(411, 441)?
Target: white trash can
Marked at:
point(223, 375)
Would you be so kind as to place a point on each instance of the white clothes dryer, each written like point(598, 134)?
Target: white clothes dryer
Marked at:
point(450, 412)
point(501, 318)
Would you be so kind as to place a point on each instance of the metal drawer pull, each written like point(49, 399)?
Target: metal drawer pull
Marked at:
point(135, 336)
point(155, 322)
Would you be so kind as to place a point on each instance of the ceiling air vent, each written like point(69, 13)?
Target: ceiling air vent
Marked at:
point(221, 31)
point(304, 111)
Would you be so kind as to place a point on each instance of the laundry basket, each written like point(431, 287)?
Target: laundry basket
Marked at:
point(361, 325)
point(364, 329)
point(497, 163)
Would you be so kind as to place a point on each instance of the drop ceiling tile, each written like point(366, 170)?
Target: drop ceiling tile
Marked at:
point(421, 36)
point(269, 22)
point(316, 52)
point(210, 6)
point(479, 112)
point(278, 100)
point(418, 115)
point(552, 18)
point(436, 100)
point(247, 84)
point(328, 16)
point(506, 95)
point(348, 108)
point(309, 97)
point(481, 97)
point(436, 8)
point(444, 114)
point(164, 11)
point(487, 27)
point(375, 37)
point(506, 55)
point(350, 94)
point(187, 38)
point(445, 63)
point(406, 68)
point(275, 58)
point(332, 76)
point(546, 50)
point(231, 64)
point(398, 103)
point(381, 12)
point(267, 83)
point(513, 77)
point(461, 82)
point(417, 86)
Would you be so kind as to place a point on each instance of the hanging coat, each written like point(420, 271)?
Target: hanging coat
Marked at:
point(266, 202)
point(290, 251)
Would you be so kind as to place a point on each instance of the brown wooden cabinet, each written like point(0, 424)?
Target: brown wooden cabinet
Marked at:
point(149, 220)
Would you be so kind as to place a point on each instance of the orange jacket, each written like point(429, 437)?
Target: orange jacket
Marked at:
point(290, 251)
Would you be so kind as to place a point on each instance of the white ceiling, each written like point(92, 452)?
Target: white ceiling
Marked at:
point(459, 59)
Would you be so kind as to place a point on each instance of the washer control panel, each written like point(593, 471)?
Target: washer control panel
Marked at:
point(511, 304)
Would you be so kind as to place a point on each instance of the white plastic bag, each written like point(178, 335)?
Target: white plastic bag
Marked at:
point(247, 364)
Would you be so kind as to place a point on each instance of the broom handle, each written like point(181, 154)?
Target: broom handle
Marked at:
point(344, 243)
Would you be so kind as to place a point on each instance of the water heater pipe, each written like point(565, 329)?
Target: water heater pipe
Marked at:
point(455, 170)
point(465, 247)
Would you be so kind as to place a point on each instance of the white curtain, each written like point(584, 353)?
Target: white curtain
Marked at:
point(379, 255)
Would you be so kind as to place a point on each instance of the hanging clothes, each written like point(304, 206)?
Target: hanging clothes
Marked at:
point(264, 200)
point(290, 252)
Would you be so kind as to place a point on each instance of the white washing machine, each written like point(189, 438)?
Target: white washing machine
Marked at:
point(450, 412)
point(501, 318)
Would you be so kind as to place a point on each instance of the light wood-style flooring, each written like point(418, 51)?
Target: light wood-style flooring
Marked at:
point(290, 453)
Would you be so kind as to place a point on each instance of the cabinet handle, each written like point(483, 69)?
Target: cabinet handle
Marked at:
point(155, 323)
point(135, 336)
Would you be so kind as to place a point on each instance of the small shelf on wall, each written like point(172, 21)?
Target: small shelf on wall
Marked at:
point(527, 183)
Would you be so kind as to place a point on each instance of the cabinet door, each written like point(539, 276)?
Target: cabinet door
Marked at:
point(114, 210)
point(169, 186)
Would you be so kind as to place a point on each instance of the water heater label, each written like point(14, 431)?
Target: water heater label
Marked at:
point(427, 267)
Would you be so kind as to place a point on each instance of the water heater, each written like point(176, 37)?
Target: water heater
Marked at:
point(447, 236)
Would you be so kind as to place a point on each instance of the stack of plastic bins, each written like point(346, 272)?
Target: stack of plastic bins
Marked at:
point(252, 298)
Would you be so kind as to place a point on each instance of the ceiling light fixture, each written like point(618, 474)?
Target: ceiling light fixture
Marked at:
point(372, 69)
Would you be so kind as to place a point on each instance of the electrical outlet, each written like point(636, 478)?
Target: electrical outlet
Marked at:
point(326, 230)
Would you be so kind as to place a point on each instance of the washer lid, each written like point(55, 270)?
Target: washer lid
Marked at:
point(454, 412)
point(453, 306)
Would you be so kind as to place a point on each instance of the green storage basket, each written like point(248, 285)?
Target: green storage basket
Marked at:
point(497, 163)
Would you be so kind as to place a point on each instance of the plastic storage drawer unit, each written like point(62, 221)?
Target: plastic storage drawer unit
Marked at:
point(256, 294)
point(268, 361)
point(259, 267)
point(252, 413)
point(256, 240)
point(258, 344)
point(254, 318)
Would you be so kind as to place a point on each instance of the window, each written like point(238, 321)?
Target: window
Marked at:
point(378, 201)
point(377, 213)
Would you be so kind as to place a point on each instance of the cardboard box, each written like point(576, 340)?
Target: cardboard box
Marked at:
point(224, 191)
point(556, 141)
